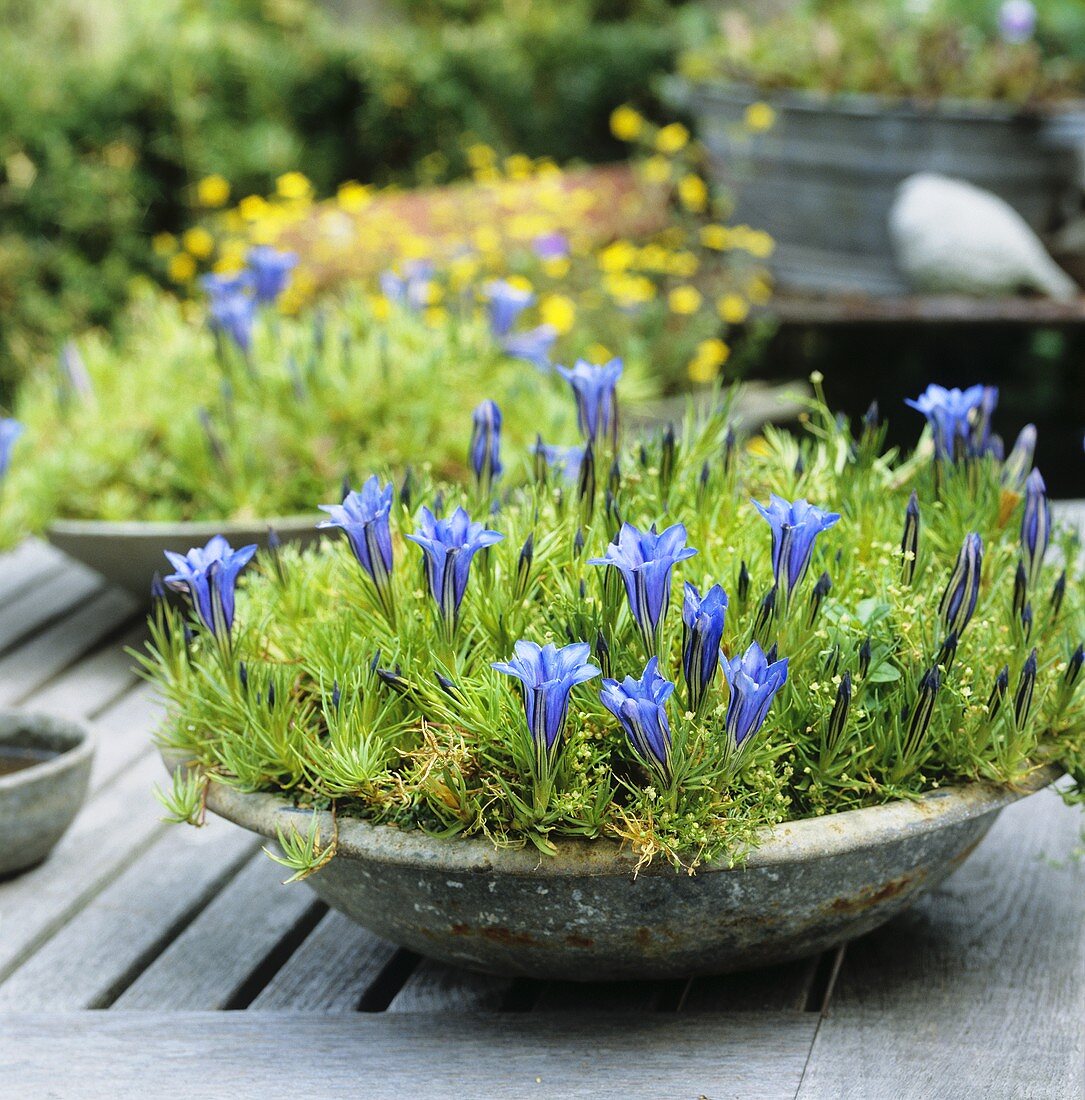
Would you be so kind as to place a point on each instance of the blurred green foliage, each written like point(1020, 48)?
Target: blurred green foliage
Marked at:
point(110, 111)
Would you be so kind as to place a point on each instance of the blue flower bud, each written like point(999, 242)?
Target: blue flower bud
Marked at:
point(703, 621)
point(639, 705)
point(959, 599)
point(1035, 525)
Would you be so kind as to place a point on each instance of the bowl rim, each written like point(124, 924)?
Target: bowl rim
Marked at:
point(788, 843)
point(190, 528)
point(81, 751)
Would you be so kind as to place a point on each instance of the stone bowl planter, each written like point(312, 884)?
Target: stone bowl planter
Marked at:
point(822, 179)
point(583, 915)
point(129, 554)
point(39, 801)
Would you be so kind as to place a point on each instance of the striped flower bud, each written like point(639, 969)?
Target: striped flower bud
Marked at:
point(909, 544)
point(1026, 686)
point(959, 599)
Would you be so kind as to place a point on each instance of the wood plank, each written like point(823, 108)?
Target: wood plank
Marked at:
point(124, 733)
point(45, 600)
point(773, 988)
point(93, 683)
point(108, 833)
point(608, 997)
point(982, 982)
point(43, 656)
point(385, 1056)
point(100, 951)
point(27, 566)
point(331, 972)
point(436, 987)
point(211, 963)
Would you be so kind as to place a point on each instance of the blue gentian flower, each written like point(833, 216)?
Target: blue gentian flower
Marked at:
point(952, 415)
point(795, 528)
point(208, 575)
point(959, 599)
point(565, 461)
point(233, 310)
point(639, 705)
point(551, 246)
point(703, 620)
point(412, 288)
point(364, 516)
point(593, 387)
point(548, 676)
point(74, 370)
point(754, 682)
point(448, 546)
point(645, 560)
point(271, 270)
point(1035, 525)
point(233, 282)
point(1016, 21)
point(485, 453)
point(504, 304)
point(10, 430)
point(533, 346)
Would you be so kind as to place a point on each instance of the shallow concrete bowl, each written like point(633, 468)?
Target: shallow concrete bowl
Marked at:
point(129, 554)
point(584, 915)
point(38, 803)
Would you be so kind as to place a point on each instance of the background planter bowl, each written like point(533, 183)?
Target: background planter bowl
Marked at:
point(129, 554)
point(38, 803)
point(581, 914)
point(822, 179)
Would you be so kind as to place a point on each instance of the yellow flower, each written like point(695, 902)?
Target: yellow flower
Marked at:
point(684, 300)
point(598, 353)
point(487, 239)
point(480, 156)
point(656, 169)
point(381, 307)
point(759, 290)
point(557, 267)
point(716, 237)
point(213, 191)
point(707, 360)
point(519, 282)
point(760, 117)
point(199, 242)
point(672, 139)
point(558, 311)
point(759, 243)
point(693, 193)
point(733, 309)
point(518, 166)
point(436, 316)
point(618, 256)
point(293, 185)
point(627, 289)
point(759, 446)
point(626, 123)
point(182, 267)
point(252, 207)
point(683, 263)
point(164, 244)
point(353, 197)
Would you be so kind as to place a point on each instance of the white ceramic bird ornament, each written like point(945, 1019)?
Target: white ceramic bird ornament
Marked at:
point(950, 236)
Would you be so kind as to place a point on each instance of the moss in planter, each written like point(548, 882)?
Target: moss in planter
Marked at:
point(159, 426)
point(906, 670)
point(953, 49)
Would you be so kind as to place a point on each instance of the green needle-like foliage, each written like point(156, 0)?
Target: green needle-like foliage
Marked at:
point(409, 727)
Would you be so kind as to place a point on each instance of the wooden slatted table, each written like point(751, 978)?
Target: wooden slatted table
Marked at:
point(217, 981)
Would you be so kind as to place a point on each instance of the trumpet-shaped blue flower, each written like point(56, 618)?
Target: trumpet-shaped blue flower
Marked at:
point(959, 599)
point(364, 516)
point(448, 546)
point(703, 620)
point(1016, 21)
point(795, 528)
point(504, 304)
point(594, 390)
point(10, 430)
point(639, 705)
point(565, 461)
point(754, 682)
point(959, 419)
point(412, 288)
point(1035, 525)
point(551, 246)
point(208, 576)
point(271, 268)
point(533, 346)
point(486, 443)
point(645, 560)
point(548, 676)
point(233, 310)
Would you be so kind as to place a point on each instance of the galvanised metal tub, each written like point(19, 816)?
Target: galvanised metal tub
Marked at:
point(128, 554)
point(584, 915)
point(823, 178)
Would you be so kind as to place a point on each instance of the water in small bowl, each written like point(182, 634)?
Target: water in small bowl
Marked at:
point(15, 758)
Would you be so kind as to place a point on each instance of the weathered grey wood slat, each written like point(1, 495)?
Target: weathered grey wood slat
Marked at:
point(435, 987)
point(383, 1056)
point(108, 833)
point(608, 997)
point(214, 958)
point(330, 972)
point(27, 566)
point(43, 656)
point(91, 684)
point(773, 988)
point(979, 990)
point(98, 953)
point(46, 600)
point(124, 732)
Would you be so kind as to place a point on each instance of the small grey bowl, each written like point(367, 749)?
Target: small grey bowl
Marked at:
point(39, 802)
